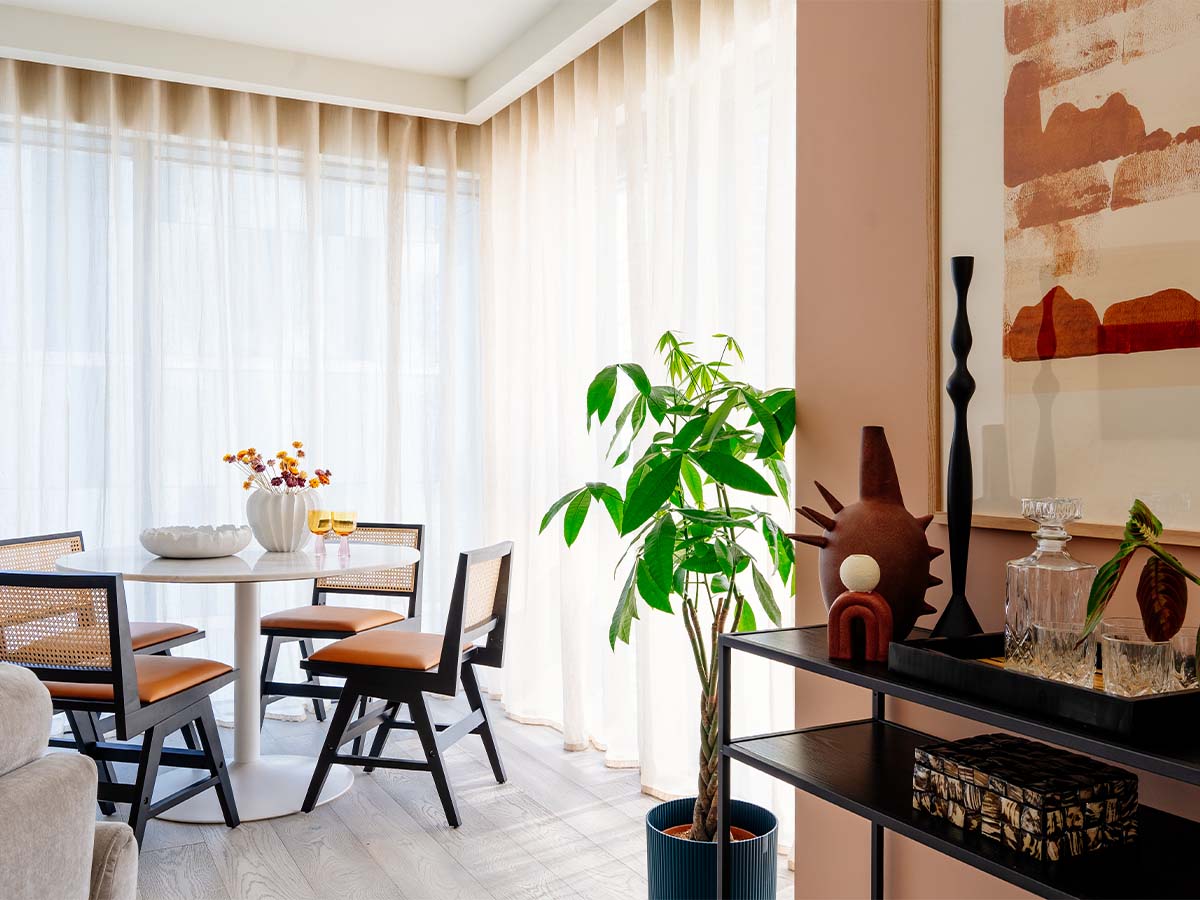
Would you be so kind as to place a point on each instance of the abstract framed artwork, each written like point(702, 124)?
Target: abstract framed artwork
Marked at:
point(1070, 168)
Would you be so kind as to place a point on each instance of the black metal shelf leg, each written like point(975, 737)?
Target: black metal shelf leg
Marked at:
point(878, 713)
point(723, 843)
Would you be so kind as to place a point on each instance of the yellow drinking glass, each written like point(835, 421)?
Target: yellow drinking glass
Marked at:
point(344, 524)
point(320, 521)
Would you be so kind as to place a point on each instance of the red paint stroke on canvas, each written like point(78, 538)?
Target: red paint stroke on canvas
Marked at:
point(1060, 326)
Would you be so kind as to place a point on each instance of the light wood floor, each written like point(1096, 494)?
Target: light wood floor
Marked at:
point(563, 825)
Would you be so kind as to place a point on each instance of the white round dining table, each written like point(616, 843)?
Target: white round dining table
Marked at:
point(264, 786)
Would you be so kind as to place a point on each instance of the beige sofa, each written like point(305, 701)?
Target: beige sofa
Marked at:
point(51, 845)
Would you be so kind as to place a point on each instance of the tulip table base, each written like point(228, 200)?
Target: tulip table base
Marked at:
point(263, 786)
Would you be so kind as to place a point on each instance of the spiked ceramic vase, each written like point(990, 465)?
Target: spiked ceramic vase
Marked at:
point(879, 526)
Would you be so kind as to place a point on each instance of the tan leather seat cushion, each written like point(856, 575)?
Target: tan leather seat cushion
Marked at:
point(390, 648)
point(143, 634)
point(158, 677)
point(350, 619)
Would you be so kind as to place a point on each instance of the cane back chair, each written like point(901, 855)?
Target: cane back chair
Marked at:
point(38, 553)
point(319, 620)
point(72, 631)
point(399, 667)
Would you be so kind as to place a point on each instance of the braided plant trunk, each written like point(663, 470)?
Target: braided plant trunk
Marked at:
point(704, 817)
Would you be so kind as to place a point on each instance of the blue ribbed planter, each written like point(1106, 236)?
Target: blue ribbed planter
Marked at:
point(679, 869)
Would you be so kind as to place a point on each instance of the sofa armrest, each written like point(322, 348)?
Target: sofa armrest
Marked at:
point(114, 863)
point(25, 713)
point(47, 824)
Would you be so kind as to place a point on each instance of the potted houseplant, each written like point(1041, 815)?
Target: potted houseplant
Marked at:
point(281, 494)
point(712, 440)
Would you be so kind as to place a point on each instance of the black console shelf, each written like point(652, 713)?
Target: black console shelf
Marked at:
point(866, 767)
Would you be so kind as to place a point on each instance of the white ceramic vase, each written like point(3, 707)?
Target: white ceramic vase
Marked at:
point(280, 521)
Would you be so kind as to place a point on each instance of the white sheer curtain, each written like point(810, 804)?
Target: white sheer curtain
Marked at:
point(648, 185)
point(187, 271)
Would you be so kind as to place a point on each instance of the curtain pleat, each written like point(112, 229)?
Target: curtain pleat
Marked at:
point(649, 185)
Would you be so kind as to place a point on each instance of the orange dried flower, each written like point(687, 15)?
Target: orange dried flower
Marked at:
point(297, 444)
point(228, 457)
point(314, 483)
point(300, 453)
point(245, 485)
point(282, 454)
point(252, 452)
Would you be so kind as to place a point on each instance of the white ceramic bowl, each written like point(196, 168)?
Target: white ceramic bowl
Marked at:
point(196, 541)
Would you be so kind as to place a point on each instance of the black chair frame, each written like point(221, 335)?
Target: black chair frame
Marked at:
point(130, 717)
point(312, 688)
point(394, 688)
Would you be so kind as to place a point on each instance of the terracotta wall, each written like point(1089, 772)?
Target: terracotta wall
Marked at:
point(862, 358)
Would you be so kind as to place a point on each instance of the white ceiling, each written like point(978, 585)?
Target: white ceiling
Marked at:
point(462, 60)
point(452, 38)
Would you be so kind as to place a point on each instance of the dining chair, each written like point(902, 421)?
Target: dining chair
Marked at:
point(318, 620)
point(400, 667)
point(72, 631)
point(38, 553)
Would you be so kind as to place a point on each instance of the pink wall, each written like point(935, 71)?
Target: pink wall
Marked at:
point(862, 358)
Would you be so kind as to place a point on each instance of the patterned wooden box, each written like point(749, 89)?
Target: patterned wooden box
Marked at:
point(1042, 801)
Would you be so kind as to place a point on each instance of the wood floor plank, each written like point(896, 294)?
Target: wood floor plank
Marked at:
point(401, 847)
point(254, 864)
point(180, 873)
point(332, 858)
point(498, 862)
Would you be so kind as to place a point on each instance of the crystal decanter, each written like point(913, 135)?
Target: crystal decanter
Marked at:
point(1048, 586)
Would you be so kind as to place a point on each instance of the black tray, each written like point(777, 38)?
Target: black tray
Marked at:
point(957, 664)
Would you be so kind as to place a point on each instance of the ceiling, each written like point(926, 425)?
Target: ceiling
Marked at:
point(451, 38)
point(462, 60)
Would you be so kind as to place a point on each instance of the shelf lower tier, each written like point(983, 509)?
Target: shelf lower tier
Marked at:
point(866, 767)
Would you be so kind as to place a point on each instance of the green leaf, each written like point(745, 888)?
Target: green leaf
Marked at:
point(601, 393)
point(650, 589)
point(577, 511)
point(625, 612)
point(622, 418)
point(659, 554)
point(650, 493)
point(558, 504)
point(719, 583)
point(1162, 596)
point(638, 376)
point(679, 582)
point(783, 480)
point(716, 420)
point(783, 404)
point(1143, 525)
point(734, 473)
point(701, 558)
point(692, 480)
point(766, 597)
point(660, 398)
point(712, 517)
point(746, 622)
point(772, 444)
point(686, 436)
point(1105, 584)
point(611, 498)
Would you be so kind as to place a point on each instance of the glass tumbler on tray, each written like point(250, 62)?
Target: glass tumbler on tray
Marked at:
point(1183, 652)
point(1134, 665)
point(1062, 653)
point(1048, 586)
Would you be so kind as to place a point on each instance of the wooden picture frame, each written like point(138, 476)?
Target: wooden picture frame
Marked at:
point(939, 262)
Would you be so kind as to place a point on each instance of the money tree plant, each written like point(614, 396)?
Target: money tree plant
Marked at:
point(708, 444)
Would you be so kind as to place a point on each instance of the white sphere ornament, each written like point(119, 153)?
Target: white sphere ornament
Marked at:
point(859, 572)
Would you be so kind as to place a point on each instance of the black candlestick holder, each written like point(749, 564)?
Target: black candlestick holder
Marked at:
point(958, 619)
